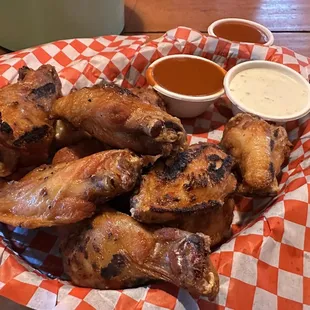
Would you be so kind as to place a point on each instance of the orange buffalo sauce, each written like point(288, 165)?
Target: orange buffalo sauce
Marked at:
point(189, 76)
point(240, 32)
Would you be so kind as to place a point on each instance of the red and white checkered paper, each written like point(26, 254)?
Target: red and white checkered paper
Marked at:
point(266, 265)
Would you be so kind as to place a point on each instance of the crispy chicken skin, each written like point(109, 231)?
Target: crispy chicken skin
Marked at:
point(118, 118)
point(149, 96)
point(80, 150)
point(66, 134)
point(68, 192)
point(215, 223)
point(25, 129)
point(197, 179)
point(259, 149)
point(113, 251)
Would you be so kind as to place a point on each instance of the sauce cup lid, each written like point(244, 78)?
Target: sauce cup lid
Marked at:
point(151, 80)
point(262, 28)
point(268, 65)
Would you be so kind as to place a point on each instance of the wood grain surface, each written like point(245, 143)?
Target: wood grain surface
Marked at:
point(160, 15)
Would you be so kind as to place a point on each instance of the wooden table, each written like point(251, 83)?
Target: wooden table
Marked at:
point(288, 19)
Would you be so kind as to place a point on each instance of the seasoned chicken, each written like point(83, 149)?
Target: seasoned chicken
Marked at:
point(82, 149)
point(149, 96)
point(215, 222)
point(198, 179)
point(113, 251)
point(118, 118)
point(26, 131)
point(68, 192)
point(66, 134)
point(259, 149)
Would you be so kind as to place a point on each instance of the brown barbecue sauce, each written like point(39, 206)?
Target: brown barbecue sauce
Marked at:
point(189, 76)
point(240, 32)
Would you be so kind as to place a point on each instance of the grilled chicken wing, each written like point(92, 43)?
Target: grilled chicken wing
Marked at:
point(198, 179)
point(118, 118)
point(25, 129)
point(259, 149)
point(66, 134)
point(149, 96)
point(103, 255)
point(215, 223)
point(80, 150)
point(68, 192)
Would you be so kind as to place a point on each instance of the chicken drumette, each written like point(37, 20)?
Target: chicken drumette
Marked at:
point(119, 118)
point(113, 251)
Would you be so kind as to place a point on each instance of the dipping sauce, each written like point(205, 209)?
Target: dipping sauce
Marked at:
point(240, 32)
point(189, 76)
point(269, 91)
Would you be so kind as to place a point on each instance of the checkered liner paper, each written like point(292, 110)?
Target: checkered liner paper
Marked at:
point(266, 265)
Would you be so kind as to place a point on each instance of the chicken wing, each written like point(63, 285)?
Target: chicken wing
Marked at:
point(80, 150)
point(66, 134)
point(103, 255)
point(118, 118)
point(259, 149)
point(149, 96)
point(198, 179)
point(68, 192)
point(215, 223)
point(26, 131)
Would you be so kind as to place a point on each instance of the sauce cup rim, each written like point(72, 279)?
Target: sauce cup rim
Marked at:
point(271, 65)
point(174, 95)
point(261, 27)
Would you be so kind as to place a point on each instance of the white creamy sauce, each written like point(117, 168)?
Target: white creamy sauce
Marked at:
point(269, 91)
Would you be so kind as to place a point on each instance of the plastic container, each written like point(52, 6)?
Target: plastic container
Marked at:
point(179, 105)
point(260, 27)
point(238, 106)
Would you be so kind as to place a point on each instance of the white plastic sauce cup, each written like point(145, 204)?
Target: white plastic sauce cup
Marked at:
point(260, 27)
point(179, 105)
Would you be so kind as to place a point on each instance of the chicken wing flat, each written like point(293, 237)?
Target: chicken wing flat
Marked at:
point(118, 118)
point(216, 223)
point(68, 192)
point(104, 256)
point(196, 180)
point(259, 149)
point(25, 129)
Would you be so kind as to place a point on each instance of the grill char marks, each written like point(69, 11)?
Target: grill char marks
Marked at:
point(197, 180)
point(43, 91)
point(183, 159)
point(215, 173)
point(35, 135)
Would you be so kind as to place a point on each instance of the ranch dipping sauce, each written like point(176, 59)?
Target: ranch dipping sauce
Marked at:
point(269, 91)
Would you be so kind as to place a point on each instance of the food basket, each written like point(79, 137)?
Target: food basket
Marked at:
point(265, 265)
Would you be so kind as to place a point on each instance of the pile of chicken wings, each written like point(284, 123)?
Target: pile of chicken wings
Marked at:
point(143, 205)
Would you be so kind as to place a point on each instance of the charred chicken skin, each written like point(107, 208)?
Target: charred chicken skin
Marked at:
point(197, 179)
point(117, 117)
point(259, 149)
point(25, 129)
point(103, 255)
point(68, 192)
